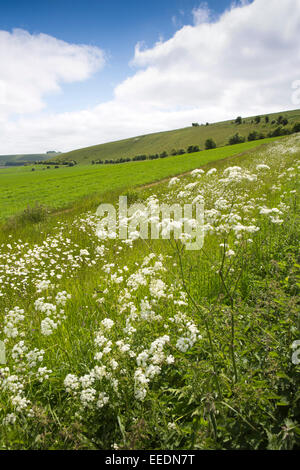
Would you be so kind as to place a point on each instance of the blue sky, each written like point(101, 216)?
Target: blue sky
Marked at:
point(79, 73)
point(115, 26)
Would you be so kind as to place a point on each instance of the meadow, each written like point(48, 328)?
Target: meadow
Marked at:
point(142, 344)
point(63, 187)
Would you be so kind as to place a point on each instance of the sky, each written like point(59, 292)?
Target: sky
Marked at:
point(76, 73)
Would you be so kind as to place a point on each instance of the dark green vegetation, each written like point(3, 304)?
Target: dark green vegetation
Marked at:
point(195, 135)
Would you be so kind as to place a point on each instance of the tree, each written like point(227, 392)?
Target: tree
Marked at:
point(163, 154)
point(193, 148)
point(296, 127)
point(257, 119)
point(238, 120)
point(210, 144)
point(267, 119)
point(252, 136)
point(236, 139)
point(195, 124)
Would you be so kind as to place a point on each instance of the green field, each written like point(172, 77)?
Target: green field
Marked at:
point(177, 139)
point(58, 188)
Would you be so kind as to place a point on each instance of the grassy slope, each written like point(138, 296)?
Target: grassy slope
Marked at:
point(58, 188)
point(23, 158)
point(180, 138)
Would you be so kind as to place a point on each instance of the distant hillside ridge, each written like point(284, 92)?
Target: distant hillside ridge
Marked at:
point(195, 135)
point(20, 159)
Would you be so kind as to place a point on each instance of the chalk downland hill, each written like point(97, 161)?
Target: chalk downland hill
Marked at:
point(159, 142)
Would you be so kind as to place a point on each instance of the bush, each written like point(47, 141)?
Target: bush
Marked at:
point(236, 139)
point(163, 154)
point(210, 144)
point(296, 127)
point(193, 148)
point(253, 136)
point(280, 131)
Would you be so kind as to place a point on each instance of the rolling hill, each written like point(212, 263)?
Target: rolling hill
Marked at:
point(20, 159)
point(177, 139)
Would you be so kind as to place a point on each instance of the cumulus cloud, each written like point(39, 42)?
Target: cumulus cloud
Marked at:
point(243, 62)
point(34, 65)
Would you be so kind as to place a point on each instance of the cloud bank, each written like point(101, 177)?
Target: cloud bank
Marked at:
point(243, 62)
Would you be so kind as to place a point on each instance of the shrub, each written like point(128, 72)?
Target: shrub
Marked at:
point(236, 139)
point(296, 127)
point(193, 148)
point(253, 136)
point(163, 154)
point(210, 144)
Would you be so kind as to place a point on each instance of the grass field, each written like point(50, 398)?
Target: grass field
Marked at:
point(59, 188)
point(141, 344)
point(177, 139)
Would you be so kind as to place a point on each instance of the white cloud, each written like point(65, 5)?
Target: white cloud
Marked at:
point(244, 62)
point(201, 14)
point(34, 65)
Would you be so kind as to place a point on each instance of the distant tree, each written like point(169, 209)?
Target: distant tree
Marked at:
point(210, 144)
point(193, 148)
point(257, 119)
point(181, 152)
point(279, 120)
point(195, 124)
point(252, 136)
point(277, 132)
point(238, 120)
point(267, 119)
point(163, 154)
point(207, 124)
point(284, 122)
point(296, 127)
point(236, 139)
